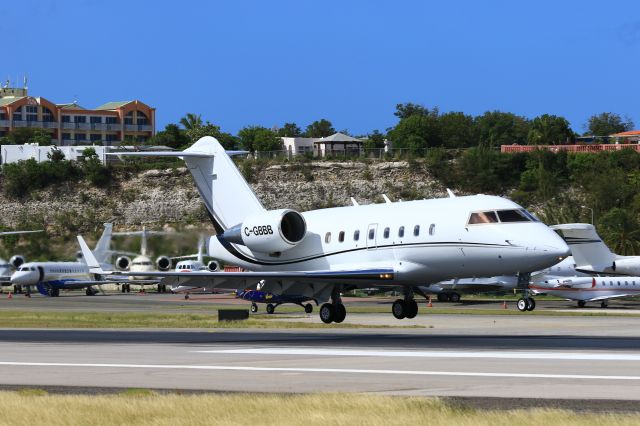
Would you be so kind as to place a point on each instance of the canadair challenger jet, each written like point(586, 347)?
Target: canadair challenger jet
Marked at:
point(320, 253)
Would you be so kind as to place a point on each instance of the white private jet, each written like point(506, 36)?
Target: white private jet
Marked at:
point(7, 268)
point(142, 262)
point(51, 277)
point(187, 264)
point(320, 253)
point(573, 279)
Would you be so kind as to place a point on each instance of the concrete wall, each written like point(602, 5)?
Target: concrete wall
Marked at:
point(15, 153)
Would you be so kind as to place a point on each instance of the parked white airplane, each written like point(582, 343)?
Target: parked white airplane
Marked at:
point(7, 268)
point(320, 253)
point(188, 264)
point(572, 279)
point(142, 262)
point(51, 277)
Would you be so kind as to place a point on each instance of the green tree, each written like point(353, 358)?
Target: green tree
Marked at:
point(22, 135)
point(257, 138)
point(319, 129)
point(549, 130)
point(290, 130)
point(621, 231)
point(55, 155)
point(608, 123)
point(191, 121)
point(227, 140)
point(497, 128)
point(375, 140)
point(417, 132)
point(408, 109)
point(457, 130)
point(172, 136)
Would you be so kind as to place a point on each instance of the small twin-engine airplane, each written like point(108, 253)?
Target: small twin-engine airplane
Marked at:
point(273, 300)
point(7, 268)
point(320, 253)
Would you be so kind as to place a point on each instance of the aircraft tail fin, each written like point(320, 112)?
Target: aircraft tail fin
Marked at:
point(102, 251)
point(586, 245)
point(226, 194)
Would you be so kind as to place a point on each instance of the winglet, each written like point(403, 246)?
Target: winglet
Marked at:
point(354, 202)
point(87, 254)
point(386, 199)
point(451, 194)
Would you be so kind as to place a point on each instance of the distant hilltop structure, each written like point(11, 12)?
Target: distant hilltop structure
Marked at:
point(71, 124)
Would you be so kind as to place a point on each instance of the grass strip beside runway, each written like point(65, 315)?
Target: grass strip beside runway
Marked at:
point(145, 407)
point(60, 319)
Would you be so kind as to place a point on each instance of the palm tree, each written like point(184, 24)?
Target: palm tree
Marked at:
point(191, 121)
point(619, 229)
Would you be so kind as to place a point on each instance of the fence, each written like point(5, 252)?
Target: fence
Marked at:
point(569, 148)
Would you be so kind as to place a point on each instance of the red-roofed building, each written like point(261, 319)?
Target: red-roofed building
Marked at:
point(632, 136)
point(71, 124)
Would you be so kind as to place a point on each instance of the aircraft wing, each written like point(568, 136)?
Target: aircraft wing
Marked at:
point(611, 296)
point(240, 280)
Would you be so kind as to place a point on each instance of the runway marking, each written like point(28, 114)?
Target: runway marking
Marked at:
point(573, 356)
point(320, 370)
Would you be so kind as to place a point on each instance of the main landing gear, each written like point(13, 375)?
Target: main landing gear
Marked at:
point(526, 304)
point(271, 308)
point(405, 308)
point(334, 311)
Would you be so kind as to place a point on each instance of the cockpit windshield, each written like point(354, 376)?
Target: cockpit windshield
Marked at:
point(501, 216)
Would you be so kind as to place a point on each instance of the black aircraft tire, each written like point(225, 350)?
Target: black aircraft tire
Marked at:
point(412, 309)
point(340, 313)
point(270, 308)
point(442, 297)
point(398, 309)
point(454, 297)
point(254, 308)
point(581, 303)
point(308, 308)
point(327, 313)
point(531, 304)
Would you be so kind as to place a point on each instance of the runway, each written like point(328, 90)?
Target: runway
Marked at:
point(400, 361)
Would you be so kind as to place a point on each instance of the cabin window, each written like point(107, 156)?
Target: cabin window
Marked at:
point(510, 216)
point(372, 233)
point(401, 232)
point(432, 229)
point(416, 230)
point(483, 217)
point(327, 237)
point(356, 235)
point(386, 232)
point(618, 283)
point(341, 237)
point(626, 283)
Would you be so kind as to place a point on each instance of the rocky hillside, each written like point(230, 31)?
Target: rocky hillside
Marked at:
point(158, 198)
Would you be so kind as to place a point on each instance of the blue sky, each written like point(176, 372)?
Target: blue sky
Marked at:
point(268, 62)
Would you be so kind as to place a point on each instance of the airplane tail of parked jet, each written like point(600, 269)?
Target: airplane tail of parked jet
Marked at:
point(226, 194)
point(103, 247)
point(588, 249)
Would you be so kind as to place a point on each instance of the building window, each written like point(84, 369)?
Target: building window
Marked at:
point(111, 138)
point(128, 119)
point(46, 115)
point(356, 235)
point(80, 119)
point(81, 137)
point(386, 233)
point(95, 120)
point(17, 114)
point(66, 136)
point(341, 237)
point(416, 230)
point(95, 137)
point(66, 119)
point(141, 120)
point(327, 237)
point(32, 117)
point(32, 109)
point(111, 120)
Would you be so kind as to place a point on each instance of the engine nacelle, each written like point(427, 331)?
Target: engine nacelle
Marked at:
point(213, 266)
point(163, 263)
point(16, 261)
point(269, 232)
point(123, 263)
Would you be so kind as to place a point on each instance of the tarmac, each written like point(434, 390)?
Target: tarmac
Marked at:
point(479, 357)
